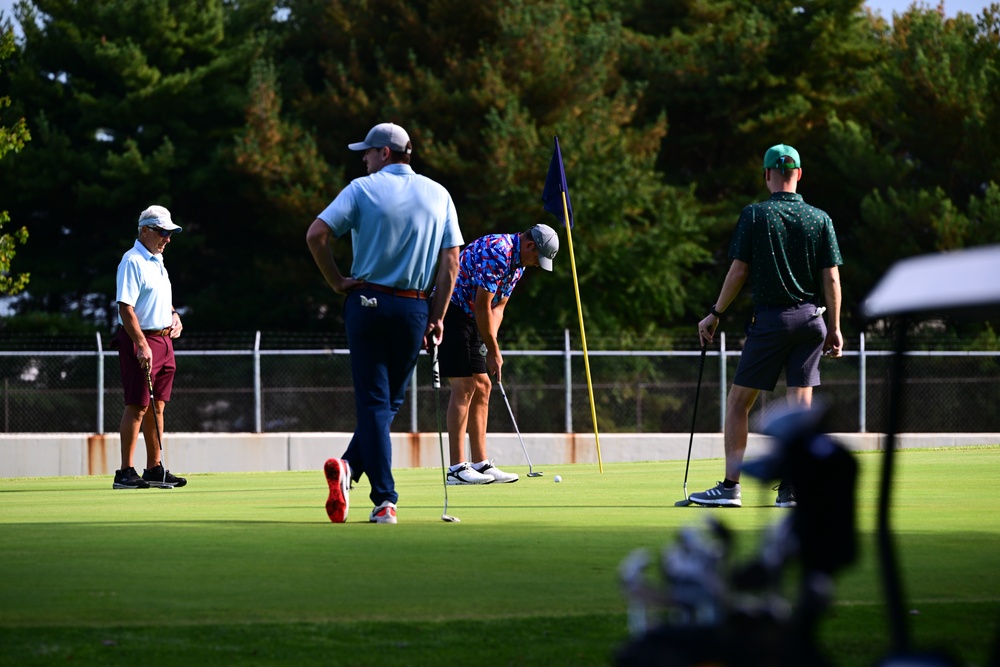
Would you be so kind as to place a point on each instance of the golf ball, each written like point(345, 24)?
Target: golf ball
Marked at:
point(557, 478)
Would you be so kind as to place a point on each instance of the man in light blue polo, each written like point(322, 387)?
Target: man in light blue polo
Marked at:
point(405, 239)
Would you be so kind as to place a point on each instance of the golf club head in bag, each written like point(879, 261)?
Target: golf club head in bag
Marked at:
point(711, 607)
point(824, 474)
point(436, 382)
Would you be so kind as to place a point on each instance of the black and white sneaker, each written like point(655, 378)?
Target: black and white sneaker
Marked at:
point(163, 479)
point(129, 479)
point(498, 475)
point(464, 473)
point(718, 496)
point(786, 495)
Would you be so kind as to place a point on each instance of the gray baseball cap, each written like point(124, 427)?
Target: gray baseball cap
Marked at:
point(158, 216)
point(547, 242)
point(382, 135)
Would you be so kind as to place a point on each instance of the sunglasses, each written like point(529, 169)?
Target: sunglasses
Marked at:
point(164, 233)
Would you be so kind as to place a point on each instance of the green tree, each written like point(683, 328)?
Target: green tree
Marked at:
point(288, 183)
point(919, 170)
point(12, 139)
point(734, 77)
point(130, 103)
point(238, 119)
point(482, 89)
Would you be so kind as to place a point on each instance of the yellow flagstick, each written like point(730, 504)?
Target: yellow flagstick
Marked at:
point(583, 333)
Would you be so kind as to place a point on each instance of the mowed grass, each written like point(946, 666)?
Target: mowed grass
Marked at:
point(246, 569)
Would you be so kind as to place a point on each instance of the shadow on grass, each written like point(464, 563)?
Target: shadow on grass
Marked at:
point(573, 640)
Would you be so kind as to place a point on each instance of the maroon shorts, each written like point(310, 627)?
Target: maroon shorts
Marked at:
point(134, 382)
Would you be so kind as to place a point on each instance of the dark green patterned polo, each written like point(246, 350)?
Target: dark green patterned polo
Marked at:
point(787, 243)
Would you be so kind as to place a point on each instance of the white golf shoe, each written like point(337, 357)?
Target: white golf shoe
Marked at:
point(463, 473)
point(384, 513)
point(487, 468)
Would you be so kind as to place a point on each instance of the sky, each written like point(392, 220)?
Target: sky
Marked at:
point(884, 7)
point(887, 7)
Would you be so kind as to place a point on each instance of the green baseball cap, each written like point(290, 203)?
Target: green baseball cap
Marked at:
point(774, 158)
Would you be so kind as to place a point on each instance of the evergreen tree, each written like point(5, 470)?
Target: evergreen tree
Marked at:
point(237, 119)
point(920, 169)
point(735, 77)
point(130, 103)
point(288, 184)
point(482, 89)
point(12, 139)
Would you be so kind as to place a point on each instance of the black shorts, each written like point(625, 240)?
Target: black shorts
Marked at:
point(782, 339)
point(462, 353)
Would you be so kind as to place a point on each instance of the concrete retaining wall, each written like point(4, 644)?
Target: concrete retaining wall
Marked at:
point(71, 454)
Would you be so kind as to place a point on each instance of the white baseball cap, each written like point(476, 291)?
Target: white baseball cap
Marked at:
point(158, 216)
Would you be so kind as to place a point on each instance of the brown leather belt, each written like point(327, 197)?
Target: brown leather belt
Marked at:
point(405, 293)
point(158, 332)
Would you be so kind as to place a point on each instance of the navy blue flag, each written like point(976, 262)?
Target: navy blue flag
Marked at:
point(555, 185)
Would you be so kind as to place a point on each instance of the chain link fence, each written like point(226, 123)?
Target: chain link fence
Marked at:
point(289, 383)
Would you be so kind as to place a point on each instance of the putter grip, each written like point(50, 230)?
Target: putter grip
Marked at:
point(435, 369)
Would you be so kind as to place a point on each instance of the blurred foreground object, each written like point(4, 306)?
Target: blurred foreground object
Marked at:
point(708, 609)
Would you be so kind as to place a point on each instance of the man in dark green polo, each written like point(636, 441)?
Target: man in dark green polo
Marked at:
point(789, 251)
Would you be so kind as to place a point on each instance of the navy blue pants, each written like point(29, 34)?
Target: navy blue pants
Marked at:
point(385, 334)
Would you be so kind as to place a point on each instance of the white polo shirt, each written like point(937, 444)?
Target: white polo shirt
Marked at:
point(143, 283)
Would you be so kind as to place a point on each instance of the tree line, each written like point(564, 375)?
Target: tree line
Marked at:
point(236, 116)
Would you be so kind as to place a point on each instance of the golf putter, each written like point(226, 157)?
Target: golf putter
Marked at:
point(436, 378)
point(531, 471)
point(694, 416)
point(156, 425)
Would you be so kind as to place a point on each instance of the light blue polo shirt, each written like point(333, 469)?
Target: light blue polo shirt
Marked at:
point(143, 283)
point(399, 221)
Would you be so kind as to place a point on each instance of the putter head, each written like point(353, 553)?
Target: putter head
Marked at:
point(683, 503)
point(535, 474)
point(450, 519)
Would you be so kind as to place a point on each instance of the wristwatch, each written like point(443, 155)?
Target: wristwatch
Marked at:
point(712, 310)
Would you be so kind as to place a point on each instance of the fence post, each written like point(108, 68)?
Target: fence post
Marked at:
point(638, 406)
point(100, 385)
point(722, 381)
point(414, 427)
point(862, 385)
point(568, 364)
point(256, 385)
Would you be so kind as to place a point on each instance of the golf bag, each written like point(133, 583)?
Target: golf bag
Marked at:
point(708, 609)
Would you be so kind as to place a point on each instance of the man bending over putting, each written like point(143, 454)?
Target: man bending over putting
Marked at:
point(489, 268)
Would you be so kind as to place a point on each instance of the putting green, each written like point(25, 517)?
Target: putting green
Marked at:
point(231, 550)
